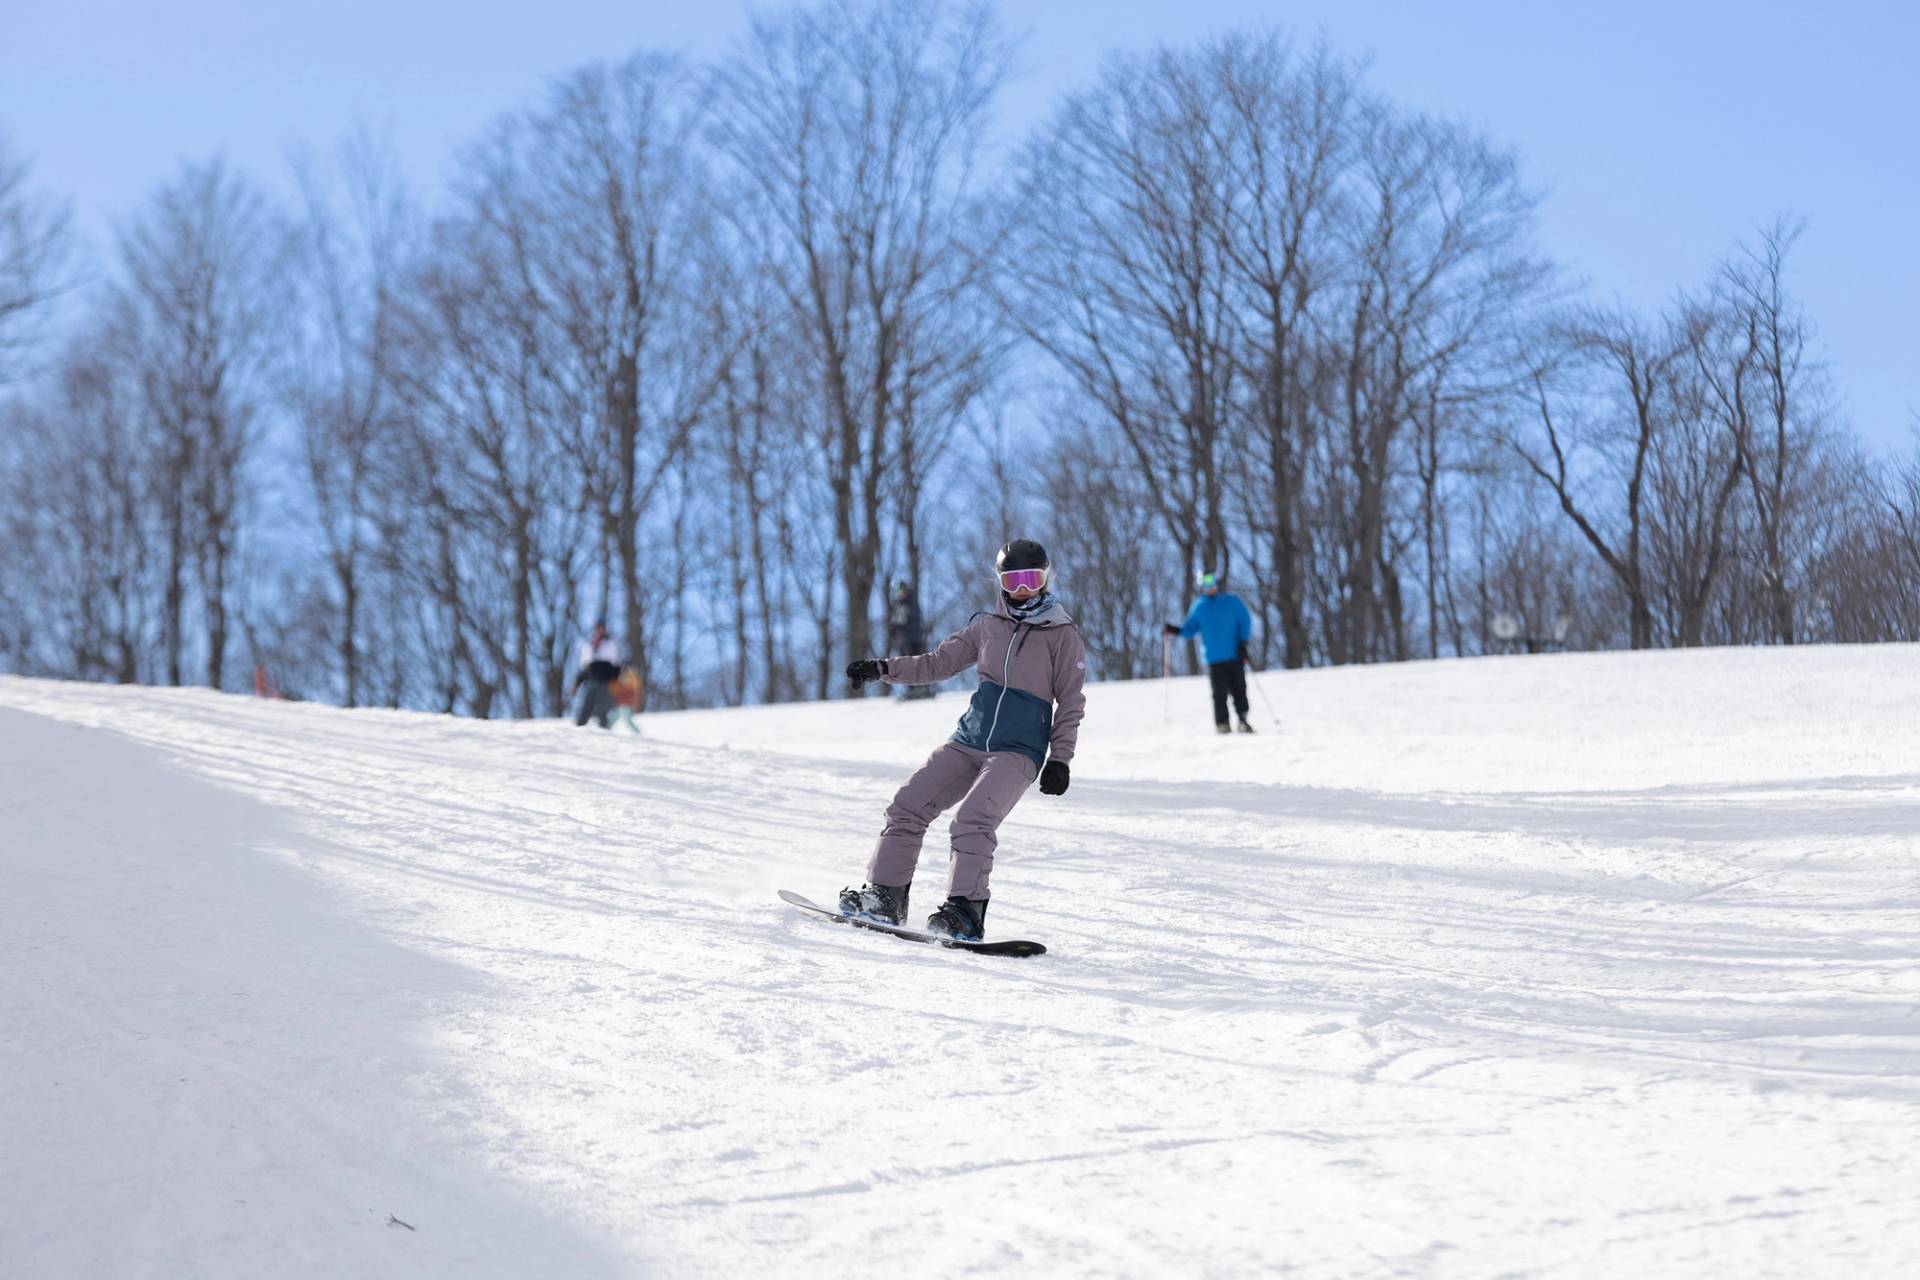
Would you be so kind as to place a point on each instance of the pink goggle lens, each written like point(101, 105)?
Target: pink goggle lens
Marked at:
point(1023, 579)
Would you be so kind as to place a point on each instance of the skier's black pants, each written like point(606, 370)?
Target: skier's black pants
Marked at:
point(597, 703)
point(1229, 677)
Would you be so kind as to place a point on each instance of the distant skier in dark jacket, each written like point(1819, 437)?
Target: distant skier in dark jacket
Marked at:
point(598, 668)
point(907, 631)
point(1224, 626)
point(1023, 723)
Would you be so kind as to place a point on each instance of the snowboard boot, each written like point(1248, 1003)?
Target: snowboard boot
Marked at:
point(962, 919)
point(1244, 726)
point(885, 903)
point(1223, 727)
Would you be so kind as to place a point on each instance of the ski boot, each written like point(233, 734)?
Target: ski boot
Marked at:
point(1244, 726)
point(885, 903)
point(962, 919)
point(1223, 727)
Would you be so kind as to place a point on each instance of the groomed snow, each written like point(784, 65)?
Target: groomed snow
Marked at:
point(1590, 965)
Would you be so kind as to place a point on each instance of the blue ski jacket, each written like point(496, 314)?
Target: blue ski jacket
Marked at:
point(1222, 623)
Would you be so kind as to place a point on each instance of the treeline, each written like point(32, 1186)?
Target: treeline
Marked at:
point(718, 352)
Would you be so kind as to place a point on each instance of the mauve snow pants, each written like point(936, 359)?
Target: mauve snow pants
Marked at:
point(986, 785)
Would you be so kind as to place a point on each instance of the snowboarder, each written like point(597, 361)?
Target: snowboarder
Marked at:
point(907, 632)
point(1022, 723)
point(599, 666)
point(1224, 626)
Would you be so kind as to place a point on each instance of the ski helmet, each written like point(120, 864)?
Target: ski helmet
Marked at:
point(1021, 553)
point(1025, 561)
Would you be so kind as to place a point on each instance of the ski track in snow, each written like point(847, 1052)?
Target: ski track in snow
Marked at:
point(1573, 965)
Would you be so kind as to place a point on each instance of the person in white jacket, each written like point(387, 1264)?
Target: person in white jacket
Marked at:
point(598, 668)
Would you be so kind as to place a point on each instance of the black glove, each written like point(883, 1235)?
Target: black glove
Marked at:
point(1053, 778)
point(862, 670)
point(1171, 628)
point(1243, 651)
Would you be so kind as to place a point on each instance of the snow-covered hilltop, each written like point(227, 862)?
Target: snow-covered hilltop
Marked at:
point(1580, 965)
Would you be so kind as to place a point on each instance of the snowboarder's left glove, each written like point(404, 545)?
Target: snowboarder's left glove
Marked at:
point(1171, 628)
point(1053, 778)
point(862, 670)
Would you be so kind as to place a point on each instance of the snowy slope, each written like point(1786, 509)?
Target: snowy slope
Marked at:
point(1576, 965)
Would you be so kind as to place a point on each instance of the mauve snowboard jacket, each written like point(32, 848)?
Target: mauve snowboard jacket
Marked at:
point(1033, 673)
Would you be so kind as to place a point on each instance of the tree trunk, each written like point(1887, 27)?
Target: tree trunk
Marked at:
point(346, 570)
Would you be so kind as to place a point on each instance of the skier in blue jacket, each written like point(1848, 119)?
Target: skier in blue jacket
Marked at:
point(1224, 626)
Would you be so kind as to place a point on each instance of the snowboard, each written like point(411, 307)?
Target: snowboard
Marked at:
point(997, 947)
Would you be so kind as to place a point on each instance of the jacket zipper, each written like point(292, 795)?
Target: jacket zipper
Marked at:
point(1006, 674)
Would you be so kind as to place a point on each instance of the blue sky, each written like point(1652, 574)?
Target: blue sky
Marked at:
point(1660, 132)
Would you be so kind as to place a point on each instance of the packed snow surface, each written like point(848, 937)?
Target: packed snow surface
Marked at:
point(1595, 965)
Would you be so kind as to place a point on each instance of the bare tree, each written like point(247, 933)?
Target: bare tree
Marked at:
point(556, 370)
point(78, 587)
point(1263, 277)
point(1695, 465)
point(492, 456)
point(1617, 373)
point(760, 452)
point(1777, 417)
point(1120, 273)
point(1440, 270)
point(854, 129)
point(603, 205)
point(349, 253)
point(1107, 532)
point(1903, 502)
point(1288, 144)
point(197, 265)
point(1861, 575)
point(35, 256)
point(1531, 566)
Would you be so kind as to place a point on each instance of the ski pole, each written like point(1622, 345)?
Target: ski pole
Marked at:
point(1265, 699)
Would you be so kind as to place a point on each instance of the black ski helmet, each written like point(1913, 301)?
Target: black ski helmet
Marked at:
point(1021, 553)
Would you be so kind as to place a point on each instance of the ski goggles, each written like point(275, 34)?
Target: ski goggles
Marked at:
point(1209, 582)
point(1023, 580)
